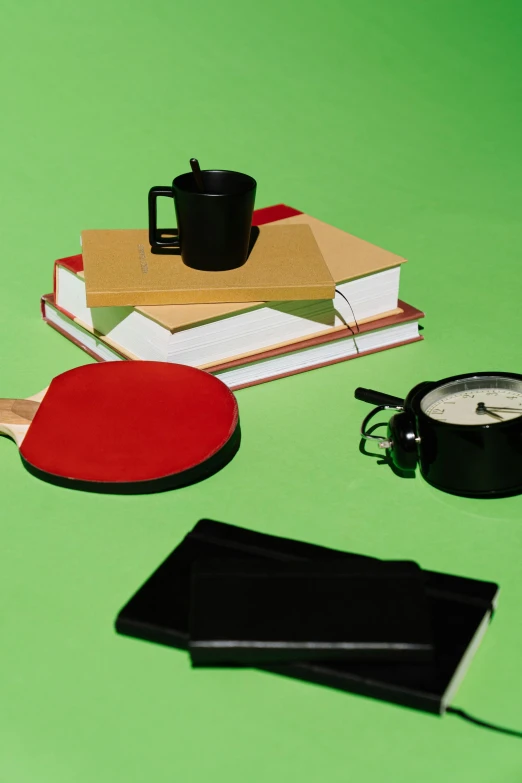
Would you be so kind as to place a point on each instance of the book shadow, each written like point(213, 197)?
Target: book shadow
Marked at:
point(320, 311)
point(105, 319)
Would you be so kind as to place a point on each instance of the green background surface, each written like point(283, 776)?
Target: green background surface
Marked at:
point(397, 121)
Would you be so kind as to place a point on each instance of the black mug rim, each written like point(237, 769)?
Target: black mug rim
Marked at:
point(250, 183)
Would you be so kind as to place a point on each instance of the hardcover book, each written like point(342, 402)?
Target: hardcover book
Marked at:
point(249, 342)
point(367, 287)
point(250, 612)
point(284, 263)
point(460, 610)
point(268, 365)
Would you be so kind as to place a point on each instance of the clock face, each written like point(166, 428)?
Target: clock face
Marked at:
point(488, 399)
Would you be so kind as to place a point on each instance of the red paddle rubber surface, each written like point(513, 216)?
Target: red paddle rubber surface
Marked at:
point(132, 426)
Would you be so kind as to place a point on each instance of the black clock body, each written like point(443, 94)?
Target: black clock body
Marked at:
point(478, 460)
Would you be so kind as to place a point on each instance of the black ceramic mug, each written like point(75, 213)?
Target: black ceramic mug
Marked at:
point(213, 225)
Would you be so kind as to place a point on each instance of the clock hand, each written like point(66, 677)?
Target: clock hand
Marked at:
point(495, 415)
point(508, 410)
point(481, 408)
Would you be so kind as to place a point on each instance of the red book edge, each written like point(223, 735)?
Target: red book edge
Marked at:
point(49, 298)
point(324, 364)
point(410, 314)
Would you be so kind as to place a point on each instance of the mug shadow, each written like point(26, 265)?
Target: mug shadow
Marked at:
point(163, 234)
point(254, 235)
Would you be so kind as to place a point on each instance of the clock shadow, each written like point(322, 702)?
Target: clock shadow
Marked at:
point(382, 458)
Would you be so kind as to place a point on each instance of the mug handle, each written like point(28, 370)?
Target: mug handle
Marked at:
point(155, 233)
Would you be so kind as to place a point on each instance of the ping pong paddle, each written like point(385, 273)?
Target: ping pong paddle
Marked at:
point(125, 427)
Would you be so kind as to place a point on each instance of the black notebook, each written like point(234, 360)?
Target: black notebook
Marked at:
point(460, 612)
point(264, 611)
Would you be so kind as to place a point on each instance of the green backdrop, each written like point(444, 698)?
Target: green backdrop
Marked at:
point(398, 121)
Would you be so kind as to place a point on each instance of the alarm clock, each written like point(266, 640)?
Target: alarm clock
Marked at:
point(463, 432)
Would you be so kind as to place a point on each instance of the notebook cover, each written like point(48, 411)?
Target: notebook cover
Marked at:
point(408, 314)
point(349, 256)
point(284, 263)
point(251, 612)
point(159, 612)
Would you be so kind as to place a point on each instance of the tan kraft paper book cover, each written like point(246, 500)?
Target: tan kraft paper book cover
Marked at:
point(285, 263)
point(347, 257)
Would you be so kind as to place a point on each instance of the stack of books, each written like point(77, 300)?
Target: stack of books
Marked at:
point(242, 342)
point(439, 618)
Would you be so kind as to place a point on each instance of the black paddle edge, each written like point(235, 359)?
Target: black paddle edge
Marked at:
point(193, 475)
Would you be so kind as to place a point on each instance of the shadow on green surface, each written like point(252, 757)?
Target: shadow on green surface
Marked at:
point(382, 458)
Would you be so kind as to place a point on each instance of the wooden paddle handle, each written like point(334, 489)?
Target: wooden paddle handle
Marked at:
point(16, 416)
point(17, 411)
